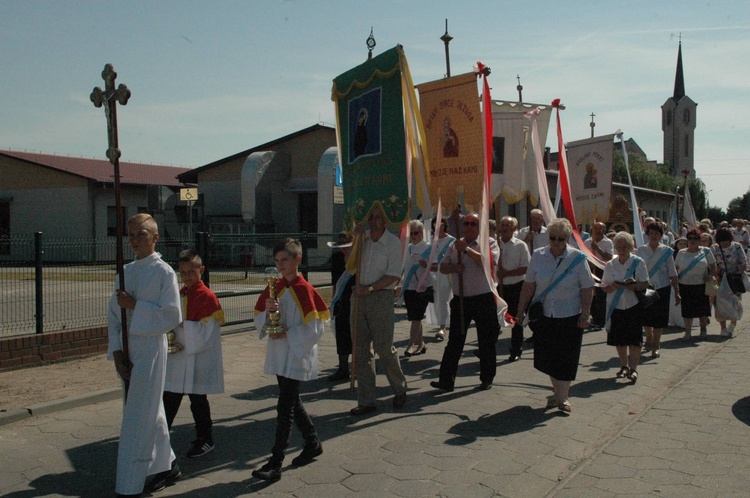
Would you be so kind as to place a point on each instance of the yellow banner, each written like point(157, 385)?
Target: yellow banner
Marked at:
point(453, 128)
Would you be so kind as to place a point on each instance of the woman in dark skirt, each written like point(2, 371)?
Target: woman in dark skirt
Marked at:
point(557, 341)
point(623, 275)
point(694, 265)
point(663, 278)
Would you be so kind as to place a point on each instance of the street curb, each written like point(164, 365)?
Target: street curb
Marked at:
point(10, 416)
point(60, 404)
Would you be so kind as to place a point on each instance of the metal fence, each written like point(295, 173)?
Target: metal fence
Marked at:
point(56, 284)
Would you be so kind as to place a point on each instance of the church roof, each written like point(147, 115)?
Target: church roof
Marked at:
point(101, 170)
point(679, 79)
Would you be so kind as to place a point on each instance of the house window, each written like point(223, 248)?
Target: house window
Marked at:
point(112, 220)
point(4, 228)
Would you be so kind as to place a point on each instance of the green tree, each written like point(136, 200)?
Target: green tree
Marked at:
point(643, 174)
point(739, 207)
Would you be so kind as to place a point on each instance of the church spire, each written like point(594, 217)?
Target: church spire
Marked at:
point(679, 79)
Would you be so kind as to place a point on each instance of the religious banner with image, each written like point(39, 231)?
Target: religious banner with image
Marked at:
point(590, 170)
point(452, 123)
point(513, 165)
point(372, 150)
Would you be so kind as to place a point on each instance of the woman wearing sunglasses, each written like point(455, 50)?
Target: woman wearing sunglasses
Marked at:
point(695, 266)
point(558, 278)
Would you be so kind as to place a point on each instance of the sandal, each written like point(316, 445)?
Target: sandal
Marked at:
point(633, 376)
point(623, 372)
point(565, 408)
point(551, 402)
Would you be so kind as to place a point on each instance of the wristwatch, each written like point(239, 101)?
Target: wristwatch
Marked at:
point(371, 289)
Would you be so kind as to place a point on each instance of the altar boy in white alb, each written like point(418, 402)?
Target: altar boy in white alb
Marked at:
point(197, 369)
point(152, 300)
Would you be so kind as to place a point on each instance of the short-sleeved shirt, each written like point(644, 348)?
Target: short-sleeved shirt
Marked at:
point(652, 257)
point(514, 255)
point(614, 271)
point(697, 273)
point(413, 255)
point(734, 256)
point(541, 238)
point(605, 245)
point(381, 258)
point(565, 299)
point(474, 279)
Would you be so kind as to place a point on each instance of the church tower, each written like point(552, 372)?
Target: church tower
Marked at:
point(678, 118)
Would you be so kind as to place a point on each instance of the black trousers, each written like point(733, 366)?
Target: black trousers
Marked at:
point(511, 295)
point(289, 409)
point(198, 406)
point(483, 310)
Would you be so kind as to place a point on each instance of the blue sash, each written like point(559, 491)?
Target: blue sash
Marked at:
point(579, 257)
point(694, 262)
point(618, 292)
point(661, 261)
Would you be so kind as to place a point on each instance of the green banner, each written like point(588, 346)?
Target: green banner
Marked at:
point(370, 121)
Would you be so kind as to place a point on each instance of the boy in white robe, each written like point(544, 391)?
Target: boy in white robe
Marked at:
point(152, 300)
point(197, 369)
point(291, 355)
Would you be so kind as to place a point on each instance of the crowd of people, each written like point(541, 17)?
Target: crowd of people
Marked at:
point(554, 288)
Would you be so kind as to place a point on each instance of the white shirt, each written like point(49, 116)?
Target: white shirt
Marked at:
point(614, 271)
point(697, 273)
point(474, 280)
point(666, 269)
point(413, 255)
point(605, 245)
point(199, 367)
point(514, 255)
point(296, 355)
point(565, 299)
point(541, 238)
point(381, 258)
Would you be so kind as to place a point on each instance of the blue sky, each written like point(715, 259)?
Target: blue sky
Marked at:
point(210, 79)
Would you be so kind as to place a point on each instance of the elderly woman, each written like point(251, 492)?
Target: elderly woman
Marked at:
point(623, 276)
point(695, 265)
point(558, 278)
point(416, 302)
point(663, 278)
point(730, 259)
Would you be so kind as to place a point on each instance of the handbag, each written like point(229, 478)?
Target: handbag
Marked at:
point(647, 297)
point(427, 295)
point(736, 283)
point(712, 286)
point(733, 279)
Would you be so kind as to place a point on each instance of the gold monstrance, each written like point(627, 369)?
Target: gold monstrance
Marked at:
point(272, 326)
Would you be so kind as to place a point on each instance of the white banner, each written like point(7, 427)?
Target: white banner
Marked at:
point(590, 173)
point(513, 165)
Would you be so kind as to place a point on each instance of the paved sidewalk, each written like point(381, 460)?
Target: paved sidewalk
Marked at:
point(681, 430)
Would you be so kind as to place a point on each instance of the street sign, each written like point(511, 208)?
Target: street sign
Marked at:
point(189, 194)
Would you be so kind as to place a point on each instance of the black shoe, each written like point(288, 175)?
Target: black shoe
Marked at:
point(513, 357)
point(439, 385)
point(360, 410)
point(399, 401)
point(485, 386)
point(163, 479)
point(339, 375)
point(271, 471)
point(200, 447)
point(309, 452)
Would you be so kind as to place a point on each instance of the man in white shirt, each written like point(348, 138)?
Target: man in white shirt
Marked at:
point(535, 235)
point(514, 260)
point(603, 249)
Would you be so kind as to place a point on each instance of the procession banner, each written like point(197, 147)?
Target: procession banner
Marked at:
point(453, 128)
point(372, 149)
point(513, 165)
point(590, 169)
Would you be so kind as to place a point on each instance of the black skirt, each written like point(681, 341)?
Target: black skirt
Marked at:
point(626, 327)
point(657, 315)
point(557, 347)
point(695, 303)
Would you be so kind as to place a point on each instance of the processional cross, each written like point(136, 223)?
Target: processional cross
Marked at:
point(108, 98)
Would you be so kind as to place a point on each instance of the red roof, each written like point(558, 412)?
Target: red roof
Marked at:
point(101, 170)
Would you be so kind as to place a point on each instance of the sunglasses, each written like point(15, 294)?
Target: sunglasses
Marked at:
point(415, 233)
point(471, 224)
point(557, 239)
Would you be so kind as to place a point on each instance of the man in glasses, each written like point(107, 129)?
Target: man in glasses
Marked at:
point(478, 305)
